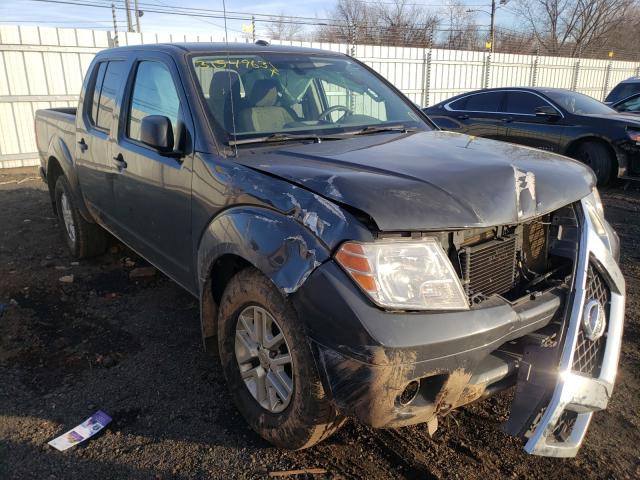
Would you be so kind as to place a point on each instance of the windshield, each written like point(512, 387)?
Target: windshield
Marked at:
point(263, 94)
point(578, 103)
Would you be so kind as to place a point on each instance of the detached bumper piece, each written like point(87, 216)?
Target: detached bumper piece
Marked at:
point(588, 359)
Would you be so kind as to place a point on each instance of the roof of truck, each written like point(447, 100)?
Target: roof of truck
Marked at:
point(209, 47)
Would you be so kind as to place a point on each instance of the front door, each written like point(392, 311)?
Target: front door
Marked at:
point(526, 128)
point(153, 191)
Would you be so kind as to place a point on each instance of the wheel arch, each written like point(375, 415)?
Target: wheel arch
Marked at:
point(60, 161)
point(277, 245)
point(54, 170)
point(573, 147)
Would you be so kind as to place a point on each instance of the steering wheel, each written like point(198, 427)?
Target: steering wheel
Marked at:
point(336, 108)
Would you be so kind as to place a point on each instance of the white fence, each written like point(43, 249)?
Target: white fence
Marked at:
point(44, 67)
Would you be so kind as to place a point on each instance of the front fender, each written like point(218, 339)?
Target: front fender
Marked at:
point(277, 245)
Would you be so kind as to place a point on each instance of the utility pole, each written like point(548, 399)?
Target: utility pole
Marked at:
point(127, 6)
point(253, 29)
point(137, 13)
point(492, 32)
point(115, 26)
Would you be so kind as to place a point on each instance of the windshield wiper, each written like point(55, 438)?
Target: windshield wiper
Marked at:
point(391, 128)
point(281, 137)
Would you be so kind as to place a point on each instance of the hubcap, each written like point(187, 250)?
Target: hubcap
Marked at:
point(67, 217)
point(264, 358)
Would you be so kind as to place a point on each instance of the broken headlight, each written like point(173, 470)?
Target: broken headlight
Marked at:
point(404, 274)
point(595, 210)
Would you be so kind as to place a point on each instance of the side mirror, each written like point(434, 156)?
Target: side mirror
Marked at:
point(157, 132)
point(547, 111)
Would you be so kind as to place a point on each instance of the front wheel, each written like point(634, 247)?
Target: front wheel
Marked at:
point(84, 239)
point(268, 364)
point(599, 158)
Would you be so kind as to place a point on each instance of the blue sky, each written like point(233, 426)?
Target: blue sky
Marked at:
point(50, 14)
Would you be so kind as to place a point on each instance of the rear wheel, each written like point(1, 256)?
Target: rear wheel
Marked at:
point(269, 366)
point(84, 239)
point(599, 158)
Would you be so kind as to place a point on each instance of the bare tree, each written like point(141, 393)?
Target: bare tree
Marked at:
point(462, 31)
point(280, 28)
point(624, 40)
point(391, 23)
point(572, 26)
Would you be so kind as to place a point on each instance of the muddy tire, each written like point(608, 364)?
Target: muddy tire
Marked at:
point(599, 158)
point(249, 303)
point(84, 239)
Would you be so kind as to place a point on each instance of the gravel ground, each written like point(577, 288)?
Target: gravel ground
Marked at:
point(131, 346)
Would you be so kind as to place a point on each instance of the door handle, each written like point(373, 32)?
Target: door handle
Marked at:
point(83, 145)
point(463, 117)
point(120, 162)
point(507, 119)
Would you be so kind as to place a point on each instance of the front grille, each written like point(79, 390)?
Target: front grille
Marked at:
point(565, 425)
point(588, 354)
point(489, 267)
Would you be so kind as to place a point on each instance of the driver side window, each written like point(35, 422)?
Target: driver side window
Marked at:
point(358, 104)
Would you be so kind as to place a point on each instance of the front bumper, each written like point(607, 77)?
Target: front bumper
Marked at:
point(575, 392)
point(367, 356)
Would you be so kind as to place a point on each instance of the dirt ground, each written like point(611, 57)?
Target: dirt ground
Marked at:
point(131, 347)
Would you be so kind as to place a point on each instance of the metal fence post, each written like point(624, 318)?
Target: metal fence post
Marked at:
point(352, 53)
point(487, 70)
point(576, 72)
point(533, 79)
point(351, 46)
point(426, 72)
point(607, 77)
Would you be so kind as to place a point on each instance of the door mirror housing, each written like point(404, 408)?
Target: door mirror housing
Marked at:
point(157, 132)
point(547, 111)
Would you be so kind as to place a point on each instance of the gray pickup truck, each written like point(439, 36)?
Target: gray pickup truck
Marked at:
point(349, 257)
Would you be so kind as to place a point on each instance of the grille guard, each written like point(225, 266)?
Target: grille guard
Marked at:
point(574, 392)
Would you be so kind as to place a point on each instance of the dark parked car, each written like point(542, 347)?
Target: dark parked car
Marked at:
point(549, 119)
point(349, 258)
point(623, 90)
point(628, 105)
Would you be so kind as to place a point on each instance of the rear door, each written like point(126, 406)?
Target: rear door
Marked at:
point(479, 114)
point(153, 191)
point(95, 135)
point(525, 127)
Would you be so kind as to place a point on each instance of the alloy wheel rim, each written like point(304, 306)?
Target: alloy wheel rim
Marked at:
point(264, 358)
point(67, 217)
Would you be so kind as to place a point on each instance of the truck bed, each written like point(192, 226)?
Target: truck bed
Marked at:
point(55, 125)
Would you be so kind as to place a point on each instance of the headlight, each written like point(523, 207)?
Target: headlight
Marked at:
point(404, 274)
point(634, 135)
point(595, 210)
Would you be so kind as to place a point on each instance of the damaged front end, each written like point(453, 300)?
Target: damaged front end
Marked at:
point(555, 401)
point(531, 288)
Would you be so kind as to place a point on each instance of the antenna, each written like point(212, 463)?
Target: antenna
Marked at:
point(233, 113)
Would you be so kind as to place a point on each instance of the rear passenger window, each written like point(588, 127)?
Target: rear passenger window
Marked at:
point(103, 100)
point(95, 100)
point(154, 93)
point(459, 104)
point(484, 102)
point(523, 103)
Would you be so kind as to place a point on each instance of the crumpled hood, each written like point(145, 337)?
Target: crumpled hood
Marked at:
point(430, 180)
